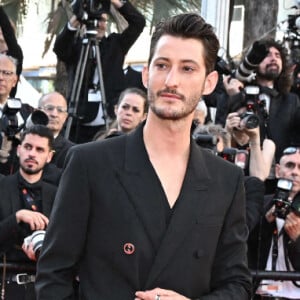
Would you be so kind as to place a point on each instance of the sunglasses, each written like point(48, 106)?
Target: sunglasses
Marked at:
point(290, 150)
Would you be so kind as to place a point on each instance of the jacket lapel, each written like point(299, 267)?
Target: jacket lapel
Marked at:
point(143, 187)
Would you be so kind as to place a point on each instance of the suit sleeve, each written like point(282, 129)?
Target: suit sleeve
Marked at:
point(65, 240)
point(14, 48)
point(230, 276)
point(136, 24)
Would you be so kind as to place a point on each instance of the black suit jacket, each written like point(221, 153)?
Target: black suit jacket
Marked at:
point(61, 146)
point(110, 202)
point(113, 49)
point(12, 234)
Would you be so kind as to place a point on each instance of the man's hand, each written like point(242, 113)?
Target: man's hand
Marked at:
point(232, 85)
point(292, 226)
point(158, 293)
point(28, 250)
point(36, 220)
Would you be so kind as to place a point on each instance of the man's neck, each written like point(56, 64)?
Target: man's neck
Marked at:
point(265, 82)
point(167, 136)
point(31, 178)
point(3, 99)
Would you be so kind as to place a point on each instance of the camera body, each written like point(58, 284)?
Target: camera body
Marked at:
point(9, 123)
point(206, 141)
point(37, 239)
point(280, 199)
point(249, 119)
point(236, 156)
point(87, 11)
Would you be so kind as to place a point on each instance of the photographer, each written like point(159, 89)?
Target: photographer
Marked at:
point(113, 49)
point(280, 116)
point(279, 120)
point(25, 206)
point(245, 134)
point(13, 115)
point(275, 243)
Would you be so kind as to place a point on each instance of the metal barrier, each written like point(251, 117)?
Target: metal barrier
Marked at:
point(276, 275)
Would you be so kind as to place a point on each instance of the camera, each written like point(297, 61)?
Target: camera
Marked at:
point(87, 11)
point(37, 117)
point(9, 123)
point(249, 119)
point(206, 141)
point(236, 156)
point(280, 199)
point(36, 238)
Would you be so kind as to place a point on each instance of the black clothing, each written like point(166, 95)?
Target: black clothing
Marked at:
point(61, 146)
point(254, 190)
point(14, 48)
point(113, 49)
point(260, 240)
point(12, 164)
point(282, 122)
point(12, 234)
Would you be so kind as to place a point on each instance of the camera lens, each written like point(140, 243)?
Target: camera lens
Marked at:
point(37, 239)
point(250, 121)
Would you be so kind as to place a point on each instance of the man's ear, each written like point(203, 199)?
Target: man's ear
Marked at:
point(50, 155)
point(277, 167)
point(145, 76)
point(210, 82)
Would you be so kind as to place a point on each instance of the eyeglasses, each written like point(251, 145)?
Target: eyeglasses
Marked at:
point(290, 150)
point(6, 74)
point(50, 108)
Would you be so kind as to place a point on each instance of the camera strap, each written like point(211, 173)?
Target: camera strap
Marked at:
point(275, 249)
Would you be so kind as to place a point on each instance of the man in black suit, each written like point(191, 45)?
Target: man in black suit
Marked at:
point(113, 49)
point(25, 206)
point(151, 215)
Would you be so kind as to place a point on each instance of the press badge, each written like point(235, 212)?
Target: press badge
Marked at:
point(94, 95)
point(269, 287)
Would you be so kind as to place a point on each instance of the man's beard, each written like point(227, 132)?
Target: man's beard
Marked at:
point(268, 74)
point(172, 114)
point(30, 171)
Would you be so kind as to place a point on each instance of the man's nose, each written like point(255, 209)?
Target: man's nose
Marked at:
point(172, 79)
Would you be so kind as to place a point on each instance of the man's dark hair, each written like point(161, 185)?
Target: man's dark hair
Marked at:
point(284, 81)
point(189, 25)
point(137, 91)
point(40, 130)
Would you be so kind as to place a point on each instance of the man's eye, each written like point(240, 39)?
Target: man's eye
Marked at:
point(161, 66)
point(188, 69)
point(290, 165)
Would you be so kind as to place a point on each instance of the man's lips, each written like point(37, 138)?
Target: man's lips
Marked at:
point(30, 161)
point(170, 95)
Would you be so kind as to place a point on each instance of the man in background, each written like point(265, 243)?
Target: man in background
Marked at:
point(25, 206)
point(54, 105)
